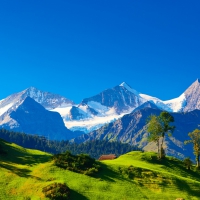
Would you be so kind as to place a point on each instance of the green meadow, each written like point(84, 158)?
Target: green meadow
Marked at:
point(135, 175)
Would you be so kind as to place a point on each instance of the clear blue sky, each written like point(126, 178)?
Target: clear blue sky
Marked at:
point(79, 48)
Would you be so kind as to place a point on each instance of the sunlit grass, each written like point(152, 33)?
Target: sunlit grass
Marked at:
point(24, 172)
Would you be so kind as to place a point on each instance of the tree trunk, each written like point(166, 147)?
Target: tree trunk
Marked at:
point(158, 148)
point(161, 148)
point(197, 159)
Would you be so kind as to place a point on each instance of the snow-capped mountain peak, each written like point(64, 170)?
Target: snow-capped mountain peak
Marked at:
point(46, 99)
point(125, 85)
point(104, 107)
point(192, 94)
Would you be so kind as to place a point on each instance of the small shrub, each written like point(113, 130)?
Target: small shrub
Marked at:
point(57, 191)
point(81, 163)
point(188, 163)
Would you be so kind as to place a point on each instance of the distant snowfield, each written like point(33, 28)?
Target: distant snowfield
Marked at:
point(173, 105)
point(64, 111)
point(89, 122)
point(176, 104)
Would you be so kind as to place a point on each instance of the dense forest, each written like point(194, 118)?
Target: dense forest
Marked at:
point(93, 148)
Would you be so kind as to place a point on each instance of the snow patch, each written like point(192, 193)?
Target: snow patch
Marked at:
point(98, 107)
point(173, 105)
point(176, 104)
point(64, 111)
point(5, 108)
point(128, 88)
point(159, 103)
point(88, 125)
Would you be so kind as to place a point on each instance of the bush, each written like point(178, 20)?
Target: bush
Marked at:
point(57, 191)
point(81, 163)
point(188, 163)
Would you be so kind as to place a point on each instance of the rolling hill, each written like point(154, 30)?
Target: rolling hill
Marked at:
point(135, 175)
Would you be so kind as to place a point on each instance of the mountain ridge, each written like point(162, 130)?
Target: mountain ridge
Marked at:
point(107, 106)
point(32, 118)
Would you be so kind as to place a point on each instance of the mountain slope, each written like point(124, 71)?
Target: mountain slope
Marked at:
point(121, 98)
point(112, 104)
point(32, 118)
point(102, 108)
point(192, 95)
point(46, 99)
point(131, 129)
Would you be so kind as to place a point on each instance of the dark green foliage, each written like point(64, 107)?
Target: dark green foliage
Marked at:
point(158, 127)
point(137, 172)
point(195, 140)
point(81, 163)
point(2, 151)
point(188, 163)
point(57, 191)
point(96, 148)
point(93, 148)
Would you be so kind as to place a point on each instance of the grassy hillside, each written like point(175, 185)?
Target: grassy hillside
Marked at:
point(135, 175)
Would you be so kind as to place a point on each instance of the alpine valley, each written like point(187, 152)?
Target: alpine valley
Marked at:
point(118, 113)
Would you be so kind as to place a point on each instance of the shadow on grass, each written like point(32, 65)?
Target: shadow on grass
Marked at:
point(76, 196)
point(184, 186)
point(20, 155)
point(176, 166)
point(18, 171)
point(108, 174)
point(13, 155)
point(34, 159)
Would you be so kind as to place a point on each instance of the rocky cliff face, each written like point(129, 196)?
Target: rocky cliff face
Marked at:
point(192, 95)
point(119, 98)
point(75, 113)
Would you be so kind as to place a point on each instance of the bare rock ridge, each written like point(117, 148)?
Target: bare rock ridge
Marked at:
point(46, 99)
point(193, 96)
point(118, 97)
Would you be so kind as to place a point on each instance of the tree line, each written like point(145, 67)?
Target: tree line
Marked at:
point(93, 148)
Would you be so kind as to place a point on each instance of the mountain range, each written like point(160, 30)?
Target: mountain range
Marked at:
point(121, 108)
point(132, 129)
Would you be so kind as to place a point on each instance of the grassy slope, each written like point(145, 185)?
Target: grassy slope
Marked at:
point(25, 172)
